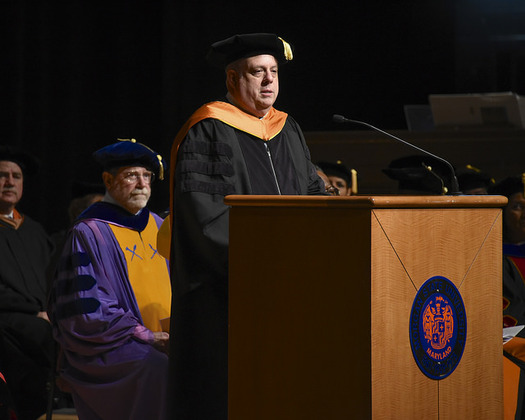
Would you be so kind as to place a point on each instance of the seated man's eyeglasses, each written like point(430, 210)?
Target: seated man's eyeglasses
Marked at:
point(133, 177)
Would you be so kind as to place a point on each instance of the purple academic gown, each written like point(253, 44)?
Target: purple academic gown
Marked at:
point(108, 362)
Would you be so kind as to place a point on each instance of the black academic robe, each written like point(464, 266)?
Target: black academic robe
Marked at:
point(513, 315)
point(25, 253)
point(26, 343)
point(222, 151)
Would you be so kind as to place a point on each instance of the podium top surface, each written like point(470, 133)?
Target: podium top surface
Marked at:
point(365, 201)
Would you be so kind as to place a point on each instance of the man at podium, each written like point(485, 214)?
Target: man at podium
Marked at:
point(237, 145)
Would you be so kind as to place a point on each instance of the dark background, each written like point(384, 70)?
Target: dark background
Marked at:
point(79, 74)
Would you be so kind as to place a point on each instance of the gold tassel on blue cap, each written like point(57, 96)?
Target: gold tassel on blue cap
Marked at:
point(161, 167)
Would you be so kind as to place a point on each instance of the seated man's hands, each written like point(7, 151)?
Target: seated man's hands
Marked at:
point(161, 341)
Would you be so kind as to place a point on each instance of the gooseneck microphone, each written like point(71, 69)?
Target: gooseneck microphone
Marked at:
point(454, 181)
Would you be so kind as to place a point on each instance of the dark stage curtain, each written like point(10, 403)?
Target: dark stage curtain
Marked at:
point(82, 73)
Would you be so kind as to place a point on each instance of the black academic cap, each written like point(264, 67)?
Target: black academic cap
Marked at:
point(508, 186)
point(129, 152)
point(227, 51)
point(422, 173)
point(470, 178)
point(28, 163)
point(337, 169)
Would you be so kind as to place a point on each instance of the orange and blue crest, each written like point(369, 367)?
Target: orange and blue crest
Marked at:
point(438, 327)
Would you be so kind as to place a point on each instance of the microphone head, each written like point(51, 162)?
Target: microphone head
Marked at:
point(338, 118)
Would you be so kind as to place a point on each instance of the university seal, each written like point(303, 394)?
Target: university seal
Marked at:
point(438, 327)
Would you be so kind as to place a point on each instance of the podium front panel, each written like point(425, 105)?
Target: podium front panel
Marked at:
point(409, 247)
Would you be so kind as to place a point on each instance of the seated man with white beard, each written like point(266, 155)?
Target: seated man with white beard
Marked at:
point(111, 290)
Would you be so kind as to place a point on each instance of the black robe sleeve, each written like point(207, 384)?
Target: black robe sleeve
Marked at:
point(25, 254)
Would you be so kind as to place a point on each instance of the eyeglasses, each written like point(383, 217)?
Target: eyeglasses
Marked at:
point(133, 177)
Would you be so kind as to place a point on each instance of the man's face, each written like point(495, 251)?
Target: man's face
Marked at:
point(514, 216)
point(130, 186)
point(11, 185)
point(255, 85)
point(340, 184)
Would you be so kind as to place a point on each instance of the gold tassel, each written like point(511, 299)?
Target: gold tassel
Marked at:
point(161, 167)
point(473, 168)
point(287, 50)
point(354, 181)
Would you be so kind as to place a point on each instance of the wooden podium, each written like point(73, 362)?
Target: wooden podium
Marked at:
point(321, 294)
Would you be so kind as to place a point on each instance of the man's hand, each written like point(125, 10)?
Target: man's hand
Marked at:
point(43, 315)
point(161, 341)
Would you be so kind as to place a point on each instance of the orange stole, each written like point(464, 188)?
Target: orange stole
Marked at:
point(264, 128)
point(148, 272)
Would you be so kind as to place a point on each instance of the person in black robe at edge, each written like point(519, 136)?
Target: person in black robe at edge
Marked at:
point(26, 342)
point(237, 145)
point(513, 187)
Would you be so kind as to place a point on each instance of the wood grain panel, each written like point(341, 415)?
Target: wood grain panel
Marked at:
point(463, 245)
point(482, 375)
point(399, 390)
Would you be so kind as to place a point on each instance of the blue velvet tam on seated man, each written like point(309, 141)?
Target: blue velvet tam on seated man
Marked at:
point(110, 293)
